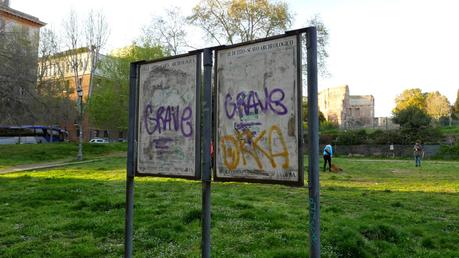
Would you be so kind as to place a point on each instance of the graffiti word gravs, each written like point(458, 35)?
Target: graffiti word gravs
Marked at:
point(251, 103)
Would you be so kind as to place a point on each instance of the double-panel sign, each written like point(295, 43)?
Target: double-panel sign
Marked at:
point(258, 114)
point(168, 117)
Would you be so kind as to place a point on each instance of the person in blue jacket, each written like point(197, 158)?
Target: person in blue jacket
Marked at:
point(328, 154)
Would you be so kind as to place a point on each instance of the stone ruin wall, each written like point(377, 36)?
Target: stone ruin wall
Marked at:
point(361, 112)
point(349, 112)
point(333, 103)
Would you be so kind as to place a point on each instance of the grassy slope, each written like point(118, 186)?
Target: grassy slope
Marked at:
point(15, 154)
point(372, 209)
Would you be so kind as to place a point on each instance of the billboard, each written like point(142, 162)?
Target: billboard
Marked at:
point(258, 112)
point(168, 117)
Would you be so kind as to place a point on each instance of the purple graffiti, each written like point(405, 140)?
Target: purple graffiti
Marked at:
point(168, 118)
point(250, 103)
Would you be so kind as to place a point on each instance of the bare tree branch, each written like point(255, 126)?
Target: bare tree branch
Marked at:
point(168, 31)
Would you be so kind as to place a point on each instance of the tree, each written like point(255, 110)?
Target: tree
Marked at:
point(108, 107)
point(305, 111)
point(408, 98)
point(167, 31)
point(18, 57)
point(322, 43)
point(233, 21)
point(84, 45)
point(53, 91)
point(323, 123)
point(456, 106)
point(412, 117)
point(415, 125)
point(437, 105)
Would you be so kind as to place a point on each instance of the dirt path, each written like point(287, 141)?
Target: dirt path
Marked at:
point(407, 160)
point(59, 163)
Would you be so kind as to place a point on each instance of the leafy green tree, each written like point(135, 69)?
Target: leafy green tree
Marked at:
point(233, 21)
point(412, 117)
point(323, 123)
point(437, 105)
point(410, 97)
point(456, 107)
point(415, 125)
point(456, 104)
point(305, 113)
point(108, 106)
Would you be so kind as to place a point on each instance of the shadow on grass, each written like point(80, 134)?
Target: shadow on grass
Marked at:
point(64, 217)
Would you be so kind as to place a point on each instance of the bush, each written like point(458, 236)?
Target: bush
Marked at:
point(427, 135)
point(352, 137)
point(449, 151)
point(405, 136)
point(328, 126)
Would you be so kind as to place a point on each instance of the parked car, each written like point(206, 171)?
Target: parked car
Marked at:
point(98, 140)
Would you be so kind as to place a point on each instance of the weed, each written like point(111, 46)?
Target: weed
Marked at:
point(381, 232)
point(428, 243)
point(396, 204)
point(191, 216)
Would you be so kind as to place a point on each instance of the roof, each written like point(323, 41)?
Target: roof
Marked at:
point(21, 15)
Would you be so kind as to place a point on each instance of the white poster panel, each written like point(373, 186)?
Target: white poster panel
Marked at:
point(257, 122)
point(167, 118)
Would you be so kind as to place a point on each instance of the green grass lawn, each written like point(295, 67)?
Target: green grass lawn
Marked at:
point(371, 209)
point(19, 154)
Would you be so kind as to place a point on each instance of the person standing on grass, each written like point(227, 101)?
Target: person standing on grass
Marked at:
point(328, 154)
point(418, 153)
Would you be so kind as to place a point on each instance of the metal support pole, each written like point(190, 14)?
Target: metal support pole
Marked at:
point(128, 233)
point(207, 133)
point(129, 217)
point(80, 119)
point(313, 130)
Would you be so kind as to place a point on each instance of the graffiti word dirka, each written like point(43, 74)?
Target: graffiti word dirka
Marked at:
point(168, 118)
point(247, 103)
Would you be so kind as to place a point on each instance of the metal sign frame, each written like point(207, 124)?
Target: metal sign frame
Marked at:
point(197, 113)
point(313, 128)
point(300, 181)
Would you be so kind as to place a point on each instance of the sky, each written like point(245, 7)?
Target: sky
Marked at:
point(376, 47)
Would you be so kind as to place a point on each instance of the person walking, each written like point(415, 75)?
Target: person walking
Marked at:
point(418, 153)
point(328, 154)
